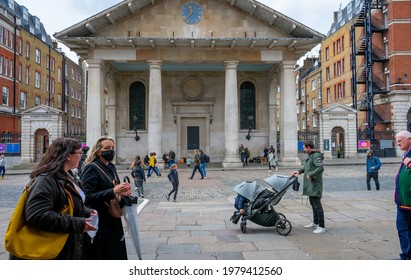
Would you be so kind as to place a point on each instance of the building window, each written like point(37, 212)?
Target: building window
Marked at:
point(23, 100)
point(247, 106)
point(339, 46)
point(327, 53)
point(313, 85)
point(19, 70)
point(328, 95)
point(27, 75)
point(5, 99)
point(38, 56)
point(314, 121)
point(327, 74)
point(1, 64)
point(137, 97)
point(59, 101)
point(314, 103)
point(59, 75)
point(27, 50)
point(38, 80)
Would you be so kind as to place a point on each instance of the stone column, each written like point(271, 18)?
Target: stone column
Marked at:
point(231, 158)
point(272, 115)
point(155, 110)
point(94, 102)
point(288, 129)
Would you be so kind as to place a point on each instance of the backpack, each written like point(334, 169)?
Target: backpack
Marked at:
point(206, 158)
point(170, 177)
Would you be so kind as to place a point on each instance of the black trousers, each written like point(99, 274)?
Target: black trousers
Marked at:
point(318, 212)
point(373, 175)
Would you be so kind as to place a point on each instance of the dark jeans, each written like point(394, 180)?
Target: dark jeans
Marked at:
point(318, 212)
point(197, 167)
point(151, 169)
point(2, 171)
point(373, 175)
point(174, 190)
point(404, 233)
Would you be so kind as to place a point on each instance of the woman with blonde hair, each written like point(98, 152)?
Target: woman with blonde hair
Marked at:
point(101, 185)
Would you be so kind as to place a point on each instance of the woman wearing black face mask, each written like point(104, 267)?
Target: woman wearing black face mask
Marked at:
point(101, 184)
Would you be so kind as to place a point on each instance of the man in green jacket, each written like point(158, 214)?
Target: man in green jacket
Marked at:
point(313, 184)
point(402, 195)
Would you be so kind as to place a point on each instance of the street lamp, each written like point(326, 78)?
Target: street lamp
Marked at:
point(135, 118)
point(250, 118)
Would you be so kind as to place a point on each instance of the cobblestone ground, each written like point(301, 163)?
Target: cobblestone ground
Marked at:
point(219, 184)
point(361, 223)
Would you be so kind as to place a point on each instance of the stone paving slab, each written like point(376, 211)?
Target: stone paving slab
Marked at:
point(360, 224)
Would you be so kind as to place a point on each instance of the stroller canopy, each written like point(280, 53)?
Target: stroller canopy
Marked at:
point(249, 190)
point(277, 182)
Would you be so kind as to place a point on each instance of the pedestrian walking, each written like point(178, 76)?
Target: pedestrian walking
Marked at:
point(55, 188)
point(102, 184)
point(313, 184)
point(152, 165)
point(271, 160)
point(403, 195)
point(84, 152)
point(373, 164)
point(173, 178)
point(203, 160)
point(2, 166)
point(197, 164)
point(139, 177)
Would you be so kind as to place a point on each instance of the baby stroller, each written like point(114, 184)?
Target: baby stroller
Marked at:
point(261, 201)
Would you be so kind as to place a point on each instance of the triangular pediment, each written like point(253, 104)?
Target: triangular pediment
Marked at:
point(338, 108)
point(40, 110)
point(158, 23)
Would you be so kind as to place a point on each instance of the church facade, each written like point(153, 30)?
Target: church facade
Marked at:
point(199, 74)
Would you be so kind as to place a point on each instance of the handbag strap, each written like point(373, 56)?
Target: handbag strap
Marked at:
point(104, 172)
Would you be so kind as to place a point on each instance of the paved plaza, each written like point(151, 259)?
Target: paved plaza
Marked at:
point(360, 224)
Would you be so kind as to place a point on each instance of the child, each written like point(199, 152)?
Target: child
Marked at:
point(173, 177)
point(139, 176)
point(239, 203)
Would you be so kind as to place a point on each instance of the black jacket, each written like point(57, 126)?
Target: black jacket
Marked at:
point(108, 244)
point(44, 202)
point(138, 173)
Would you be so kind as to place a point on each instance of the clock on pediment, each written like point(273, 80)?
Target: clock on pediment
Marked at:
point(191, 13)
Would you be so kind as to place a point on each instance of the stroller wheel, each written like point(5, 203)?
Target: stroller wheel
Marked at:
point(283, 227)
point(243, 226)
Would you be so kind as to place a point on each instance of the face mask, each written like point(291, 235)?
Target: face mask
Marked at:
point(108, 155)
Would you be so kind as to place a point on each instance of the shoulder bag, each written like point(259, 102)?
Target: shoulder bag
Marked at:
point(26, 242)
point(113, 205)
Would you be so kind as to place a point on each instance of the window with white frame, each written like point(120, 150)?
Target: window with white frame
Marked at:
point(38, 56)
point(314, 103)
point(296, 94)
point(25, 14)
point(11, 68)
point(5, 99)
point(37, 101)
point(296, 79)
point(72, 74)
point(302, 91)
point(59, 101)
point(19, 70)
point(27, 75)
point(313, 85)
point(23, 100)
point(27, 50)
point(328, 95)
point(1, 64)
point(59, 75)
point(314, 121)
point(37, 80)
point(72, 92)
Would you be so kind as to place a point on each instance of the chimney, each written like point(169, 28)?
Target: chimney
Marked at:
point(55, 44)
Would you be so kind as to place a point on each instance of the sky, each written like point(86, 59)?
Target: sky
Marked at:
point(57, 15)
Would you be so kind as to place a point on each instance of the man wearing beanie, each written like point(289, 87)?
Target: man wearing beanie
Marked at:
point(373, 165)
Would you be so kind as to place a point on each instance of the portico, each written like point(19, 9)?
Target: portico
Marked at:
point(191, 85)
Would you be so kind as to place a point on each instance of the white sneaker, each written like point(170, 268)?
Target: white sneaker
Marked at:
point(319, 230)
point(312, 225)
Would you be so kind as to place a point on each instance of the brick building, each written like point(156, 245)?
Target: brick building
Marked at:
point(35, 72)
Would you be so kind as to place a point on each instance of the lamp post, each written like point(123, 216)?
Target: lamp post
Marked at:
point(135, 118)
point(250, 118)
